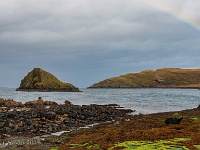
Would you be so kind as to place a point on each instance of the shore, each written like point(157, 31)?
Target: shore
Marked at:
point(36, 122)
point(141, 132)
point(93, 127)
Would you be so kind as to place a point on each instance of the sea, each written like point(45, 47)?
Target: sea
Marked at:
point(142, 100)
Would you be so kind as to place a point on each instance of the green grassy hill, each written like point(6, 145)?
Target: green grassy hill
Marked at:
point(41, 80)
point(160, 78)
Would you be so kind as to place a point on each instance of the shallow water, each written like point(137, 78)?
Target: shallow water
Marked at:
point(147, 100)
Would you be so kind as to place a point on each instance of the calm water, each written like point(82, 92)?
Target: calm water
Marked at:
point(142, 100)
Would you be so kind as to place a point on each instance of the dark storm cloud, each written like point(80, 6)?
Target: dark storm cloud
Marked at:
point(86, 41)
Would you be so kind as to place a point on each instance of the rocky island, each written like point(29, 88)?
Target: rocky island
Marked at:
point(43, 81)
point(160, 78)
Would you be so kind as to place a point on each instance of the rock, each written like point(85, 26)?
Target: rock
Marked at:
point(29, 122)
point(35, 119)
point(49, 115)
point(34, 114)
point(5, 130)
point(5, 136)
point(43, 130)
point(50, 103)
point(10, 124)
point(34, 103)
point(2, 120)
point(68, 103)
point(11, 114)
point(174, 119)
point(40, 98)
point(11, 103)
point(2, 102)
point(20, 124)
point(41, 80)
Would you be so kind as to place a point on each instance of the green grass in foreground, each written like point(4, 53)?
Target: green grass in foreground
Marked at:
point(195, 119)
point(157, 145)
point(55, 148)
point(197, 147)
point(88, 146)
point(171, 144)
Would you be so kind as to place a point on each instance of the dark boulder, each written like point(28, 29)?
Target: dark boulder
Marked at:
point(29, 122)
point(11, 114)
point(50, 103)
point(40, 103)
point(68, 103)
point(174, 119)
point(10, 124)
point(49, 115)
point(2, 101)
point(34, 103)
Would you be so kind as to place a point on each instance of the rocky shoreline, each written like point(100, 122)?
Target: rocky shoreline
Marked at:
point(150, 131)
point(30, 126)
point(39, 117)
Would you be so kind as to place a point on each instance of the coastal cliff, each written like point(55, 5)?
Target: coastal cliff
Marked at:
point(43, 81)
point(160, 78)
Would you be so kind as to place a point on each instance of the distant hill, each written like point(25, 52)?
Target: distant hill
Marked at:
point(160, 78)
point(41, 80)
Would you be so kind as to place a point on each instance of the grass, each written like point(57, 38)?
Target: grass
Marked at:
point(197, 147)
point(55, 148)
point(167, 77)
point(195, 119)
point(41, 79)
point(87, 146)
point(172, 144)
point(157, 145)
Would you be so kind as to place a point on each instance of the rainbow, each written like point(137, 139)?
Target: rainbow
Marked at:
point(183, 16)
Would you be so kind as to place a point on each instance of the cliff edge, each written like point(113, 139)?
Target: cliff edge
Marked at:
point(43, 81)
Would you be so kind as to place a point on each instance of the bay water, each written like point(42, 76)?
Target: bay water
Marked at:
point(143, 100)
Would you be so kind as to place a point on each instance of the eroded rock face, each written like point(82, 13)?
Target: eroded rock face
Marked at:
point(41, 80)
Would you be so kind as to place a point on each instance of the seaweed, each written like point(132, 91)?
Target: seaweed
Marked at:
point(55, 148)
point(197, 147)
point(88, 146)
point(157, 145)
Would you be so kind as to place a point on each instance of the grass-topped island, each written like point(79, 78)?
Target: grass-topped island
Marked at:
point(43, 81)
point(160, 78)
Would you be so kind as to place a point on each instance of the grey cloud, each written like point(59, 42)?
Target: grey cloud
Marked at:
point(95, 39)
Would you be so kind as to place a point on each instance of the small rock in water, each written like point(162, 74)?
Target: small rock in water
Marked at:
point(174, 119)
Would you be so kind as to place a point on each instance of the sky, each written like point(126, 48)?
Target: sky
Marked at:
point(86, 41)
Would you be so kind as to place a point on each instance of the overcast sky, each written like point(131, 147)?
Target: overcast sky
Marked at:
point(86, 41)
